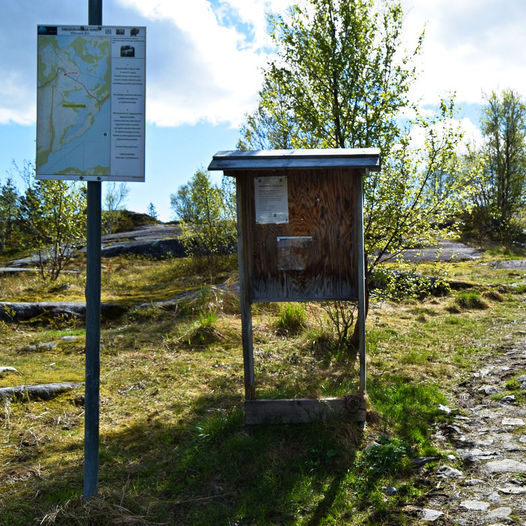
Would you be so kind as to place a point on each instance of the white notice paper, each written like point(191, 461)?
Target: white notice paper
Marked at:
point(271, 199)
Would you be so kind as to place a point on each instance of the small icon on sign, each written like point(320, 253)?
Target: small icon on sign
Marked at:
point(127, 51)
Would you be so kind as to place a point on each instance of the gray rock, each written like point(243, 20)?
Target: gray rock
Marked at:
point(472, 482)
point(489, 389)
point(505, 466)
point(507, 399)
point(39, 347)
point(444, 409)
point(518, 264)
point(16, 270)
point(389, 490)
point(494, 497)
point(39, 391)
point(511, 446)
point(486, 442)
point(522, 439)
point(146, 232)
point(23, 311)
point(486, 370)
point(444, 251)
point(429, 515)
point(523, 385)
point(448, 472)
point(69, 338)
point(513, 422)
point(521, 378)
point(512, 489)
point(472, 455)
point(500, 513)
point(474, 505)
point(453, 429)
point(156, 249)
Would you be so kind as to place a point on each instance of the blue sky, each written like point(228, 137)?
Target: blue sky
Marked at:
point(203, 71)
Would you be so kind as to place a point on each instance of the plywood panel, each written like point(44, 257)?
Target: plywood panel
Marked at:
point(312, 257)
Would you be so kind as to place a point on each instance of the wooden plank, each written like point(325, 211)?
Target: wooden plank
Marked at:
point(243, 250)
point(360, 268)
point(304, 410)
point(293, 159)
point(371, 163)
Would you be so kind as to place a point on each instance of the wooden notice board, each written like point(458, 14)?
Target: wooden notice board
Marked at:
point(312, 256)
point(300, 225)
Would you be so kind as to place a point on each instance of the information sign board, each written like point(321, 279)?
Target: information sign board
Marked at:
point(91, 103)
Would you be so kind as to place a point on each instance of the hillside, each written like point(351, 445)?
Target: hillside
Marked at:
point(174, 449)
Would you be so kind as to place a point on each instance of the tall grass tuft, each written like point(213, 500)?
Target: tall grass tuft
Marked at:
point(471, 300)
point(292, 318)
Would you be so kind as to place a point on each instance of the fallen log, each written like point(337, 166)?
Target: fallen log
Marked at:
point(22, 311)
point(7, 370)
point(39, 391)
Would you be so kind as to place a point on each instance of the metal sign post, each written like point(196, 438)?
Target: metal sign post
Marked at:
point(91, 401)
point(78, 66)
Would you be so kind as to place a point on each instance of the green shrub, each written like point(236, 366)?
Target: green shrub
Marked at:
point(470, 300)
point(397, 285)
point(292, 318)
point(387, 458)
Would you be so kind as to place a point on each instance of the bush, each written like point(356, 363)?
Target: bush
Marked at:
point(397, 285)
point(292, 318)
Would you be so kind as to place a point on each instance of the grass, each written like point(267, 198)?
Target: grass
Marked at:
point(173, 446)
point(470, 300)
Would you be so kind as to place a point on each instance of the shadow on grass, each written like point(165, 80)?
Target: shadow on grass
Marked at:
point(210, 470)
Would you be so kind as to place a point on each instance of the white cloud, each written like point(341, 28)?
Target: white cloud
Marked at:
point(470, 46)
point(19, 103)
point(205, 56)
point(212, 68)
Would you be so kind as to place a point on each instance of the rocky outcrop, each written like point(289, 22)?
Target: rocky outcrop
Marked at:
point(155, 249)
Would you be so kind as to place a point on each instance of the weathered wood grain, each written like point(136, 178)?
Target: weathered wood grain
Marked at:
point(244, 299)
point(304, 410)
point(321, 208)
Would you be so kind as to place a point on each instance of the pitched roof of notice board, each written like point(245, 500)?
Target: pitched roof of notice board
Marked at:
point(366, 158)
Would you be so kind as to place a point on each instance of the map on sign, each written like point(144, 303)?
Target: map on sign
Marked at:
point(90, 103)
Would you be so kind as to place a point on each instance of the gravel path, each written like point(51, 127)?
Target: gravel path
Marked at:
point(484, 480)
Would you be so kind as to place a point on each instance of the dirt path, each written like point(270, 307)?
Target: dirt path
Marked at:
point(484, 480)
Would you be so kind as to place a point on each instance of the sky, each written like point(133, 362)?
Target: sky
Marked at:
point(204, 60)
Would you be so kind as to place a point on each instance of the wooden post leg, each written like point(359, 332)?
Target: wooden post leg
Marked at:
point(246, 305)
point(248, 350)
point(361, 283)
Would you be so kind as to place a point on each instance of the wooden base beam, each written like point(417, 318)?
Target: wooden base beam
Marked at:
point(305, 410)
